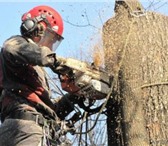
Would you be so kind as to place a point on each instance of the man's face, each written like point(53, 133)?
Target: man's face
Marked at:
point(50, 39)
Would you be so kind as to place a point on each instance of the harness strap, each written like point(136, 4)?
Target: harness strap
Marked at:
point(48, 138)
point(25, 115)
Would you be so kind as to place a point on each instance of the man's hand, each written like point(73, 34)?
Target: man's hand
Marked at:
point(65, 105)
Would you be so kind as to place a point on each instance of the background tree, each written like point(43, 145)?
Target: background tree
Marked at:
point(136, 46)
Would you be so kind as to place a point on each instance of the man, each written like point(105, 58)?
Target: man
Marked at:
point(29, 117)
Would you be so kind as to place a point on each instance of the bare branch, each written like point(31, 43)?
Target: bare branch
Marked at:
point(81, 25)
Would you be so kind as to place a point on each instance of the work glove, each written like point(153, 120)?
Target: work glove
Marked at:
point(64, 106)
point(54, 67)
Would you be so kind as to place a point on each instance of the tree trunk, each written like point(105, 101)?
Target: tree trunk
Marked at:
point(136, 49)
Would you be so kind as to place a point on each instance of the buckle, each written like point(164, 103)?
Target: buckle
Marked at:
point(37, 119)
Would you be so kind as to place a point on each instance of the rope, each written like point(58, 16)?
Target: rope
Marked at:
point(80, 137)
point(154, 84)
point(86, 126)
point(138, 13)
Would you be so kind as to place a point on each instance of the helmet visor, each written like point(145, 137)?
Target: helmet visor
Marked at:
point(57, 42)
point(50, 39)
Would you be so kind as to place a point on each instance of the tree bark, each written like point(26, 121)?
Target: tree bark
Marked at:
point(136, 49)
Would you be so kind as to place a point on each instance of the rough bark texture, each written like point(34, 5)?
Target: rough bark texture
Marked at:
point(136, 49)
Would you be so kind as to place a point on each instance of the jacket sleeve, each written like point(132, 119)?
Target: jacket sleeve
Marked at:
point(22, 52)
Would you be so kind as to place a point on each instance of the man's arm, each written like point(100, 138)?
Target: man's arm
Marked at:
point(22, 52)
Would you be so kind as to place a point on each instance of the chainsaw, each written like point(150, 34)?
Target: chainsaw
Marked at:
point(83, 79)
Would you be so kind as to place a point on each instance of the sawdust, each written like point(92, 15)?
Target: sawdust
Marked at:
point(98, 56)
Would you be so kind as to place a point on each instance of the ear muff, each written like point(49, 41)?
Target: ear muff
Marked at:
point(28, 26)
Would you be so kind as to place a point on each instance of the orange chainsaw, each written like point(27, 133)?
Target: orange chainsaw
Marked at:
point(83, 79)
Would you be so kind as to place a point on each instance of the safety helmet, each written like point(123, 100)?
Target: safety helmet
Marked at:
point(44, 14)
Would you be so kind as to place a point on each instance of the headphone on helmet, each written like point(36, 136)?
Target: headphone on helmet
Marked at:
point(29, 27)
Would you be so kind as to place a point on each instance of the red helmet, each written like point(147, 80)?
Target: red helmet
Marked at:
point(53, 18)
